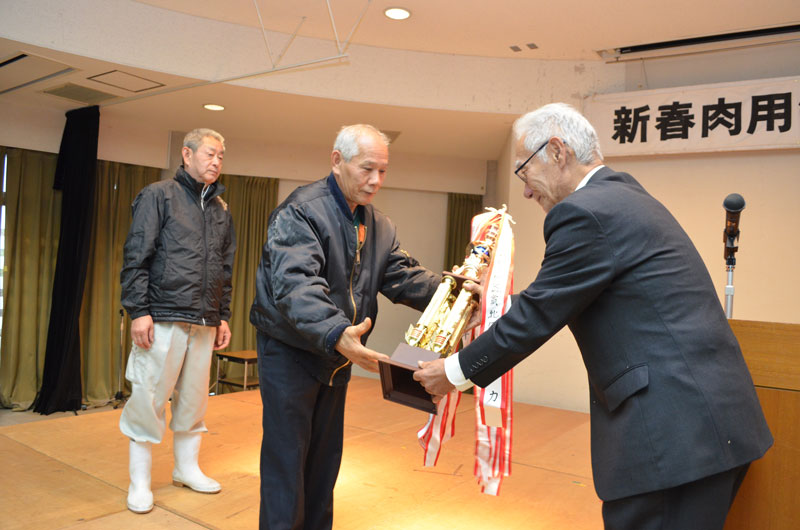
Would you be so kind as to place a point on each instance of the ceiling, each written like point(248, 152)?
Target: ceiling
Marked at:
point(567, 29)
point(266, 116)
point(572, 30)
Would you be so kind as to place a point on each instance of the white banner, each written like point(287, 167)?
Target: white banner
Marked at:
point(761, 114)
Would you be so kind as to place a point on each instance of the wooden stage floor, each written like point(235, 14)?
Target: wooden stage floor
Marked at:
point(72, 472)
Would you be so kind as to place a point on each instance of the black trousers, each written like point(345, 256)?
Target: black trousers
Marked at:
point(699, 505)
point(301, 446)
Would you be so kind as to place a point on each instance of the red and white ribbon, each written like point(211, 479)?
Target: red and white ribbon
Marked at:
point(440, 428)
point(493, 404)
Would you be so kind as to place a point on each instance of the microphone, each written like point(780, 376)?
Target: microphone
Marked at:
point(733, 204)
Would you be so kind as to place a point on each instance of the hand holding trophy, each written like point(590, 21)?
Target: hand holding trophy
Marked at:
point(441, 325)
point(438, 331)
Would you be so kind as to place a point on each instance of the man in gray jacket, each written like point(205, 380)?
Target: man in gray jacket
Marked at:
point(176, 287)
point(328, 254)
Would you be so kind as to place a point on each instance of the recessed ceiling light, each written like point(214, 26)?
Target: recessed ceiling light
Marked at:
point(211, 106)
point(397, 13)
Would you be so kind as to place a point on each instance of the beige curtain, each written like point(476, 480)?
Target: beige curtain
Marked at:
point(461, 208)
point(33, 212)
point(251, 199)
point(33, 218)
point(103, 355)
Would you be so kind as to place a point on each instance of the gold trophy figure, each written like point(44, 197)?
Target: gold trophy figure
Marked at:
point(443, 322)
point(439, 329)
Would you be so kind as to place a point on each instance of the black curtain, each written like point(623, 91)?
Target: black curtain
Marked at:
point(75, 172)
point(461, 208)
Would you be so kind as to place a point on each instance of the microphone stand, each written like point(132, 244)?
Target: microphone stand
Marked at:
point(730, 263)
point(733, 204)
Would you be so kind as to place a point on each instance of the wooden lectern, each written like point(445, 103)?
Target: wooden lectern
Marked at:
point(768, 498)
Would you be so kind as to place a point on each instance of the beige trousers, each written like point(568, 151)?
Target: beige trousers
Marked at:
point(177, 365)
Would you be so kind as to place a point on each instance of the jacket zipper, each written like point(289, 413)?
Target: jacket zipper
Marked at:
point(353, 273)
point(352, 296)
point(205, 261)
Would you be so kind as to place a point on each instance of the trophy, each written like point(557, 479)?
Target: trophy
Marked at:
point(438, 331)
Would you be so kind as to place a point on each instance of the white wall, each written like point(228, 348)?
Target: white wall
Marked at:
point(144, 144)
point(421, 223)
point(307, 163)
point(693, 188)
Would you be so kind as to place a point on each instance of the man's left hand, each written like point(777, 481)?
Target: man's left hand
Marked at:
point(349, 345)
point(432, 376)
point(223, 336)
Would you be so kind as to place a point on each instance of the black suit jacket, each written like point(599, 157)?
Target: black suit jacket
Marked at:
point(672, 400)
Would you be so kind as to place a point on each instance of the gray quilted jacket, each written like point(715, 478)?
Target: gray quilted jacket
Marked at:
point(178, 257)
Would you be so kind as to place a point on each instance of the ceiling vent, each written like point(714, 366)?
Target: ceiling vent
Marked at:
point(126, 81)
point(22, 69)
point(81, 94)
point(392, 135)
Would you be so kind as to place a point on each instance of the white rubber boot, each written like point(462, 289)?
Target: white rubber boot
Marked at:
point(140, 498)
point(186, 447)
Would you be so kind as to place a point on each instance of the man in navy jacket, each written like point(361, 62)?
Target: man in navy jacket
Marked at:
point(328, 254)
point(675, 420)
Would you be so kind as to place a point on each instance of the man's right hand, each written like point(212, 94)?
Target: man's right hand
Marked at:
point(476, 289)
point(349, 345)
point(142, 331)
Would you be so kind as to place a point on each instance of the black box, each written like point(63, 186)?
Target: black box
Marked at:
point(397, 378)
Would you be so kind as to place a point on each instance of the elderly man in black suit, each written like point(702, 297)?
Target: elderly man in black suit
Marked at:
point(675, 420)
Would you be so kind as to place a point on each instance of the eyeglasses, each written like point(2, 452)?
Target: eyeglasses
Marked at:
point(518, 171)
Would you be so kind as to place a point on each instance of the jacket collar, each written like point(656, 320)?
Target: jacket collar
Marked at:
point(606, 174)
point(341, 202)
point(196, 188)
point(603, 174)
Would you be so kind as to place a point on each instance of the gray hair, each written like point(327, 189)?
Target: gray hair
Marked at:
point(194, 139)
point(563, 121)
point(347, 141)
